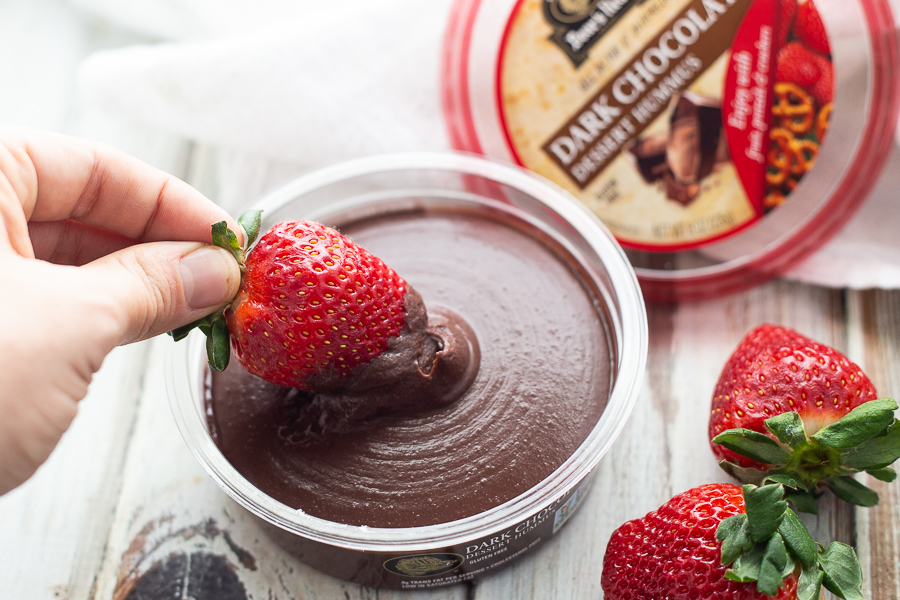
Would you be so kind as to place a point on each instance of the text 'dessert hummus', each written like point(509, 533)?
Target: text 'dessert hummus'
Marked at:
point(678, 122)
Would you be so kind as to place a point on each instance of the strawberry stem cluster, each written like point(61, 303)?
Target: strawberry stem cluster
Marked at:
point(213, 326)
point(768, 543)
point(867, 440)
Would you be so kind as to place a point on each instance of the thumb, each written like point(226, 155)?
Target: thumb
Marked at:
point(157, 287)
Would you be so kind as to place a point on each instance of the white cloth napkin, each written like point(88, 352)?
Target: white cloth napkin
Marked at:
point(308, 83)
point(318, 83)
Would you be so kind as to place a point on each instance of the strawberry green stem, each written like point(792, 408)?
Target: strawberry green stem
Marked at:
point(214, 326)
point(768, 543)
point(867, 439)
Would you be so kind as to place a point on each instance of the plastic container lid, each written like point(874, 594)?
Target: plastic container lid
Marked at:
point(721, 141)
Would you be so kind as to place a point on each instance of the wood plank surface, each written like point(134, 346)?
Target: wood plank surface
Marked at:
point(876, 318)
point(123, 511)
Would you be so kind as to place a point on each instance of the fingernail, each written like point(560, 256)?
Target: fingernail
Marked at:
point(206, 276)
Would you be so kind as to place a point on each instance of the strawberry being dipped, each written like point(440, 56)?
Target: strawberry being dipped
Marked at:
point(317, 313)
point(682, 551)
point(312, 306)
point(791, 410)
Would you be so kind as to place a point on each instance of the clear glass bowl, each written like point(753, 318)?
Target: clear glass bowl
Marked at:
point(373, 186)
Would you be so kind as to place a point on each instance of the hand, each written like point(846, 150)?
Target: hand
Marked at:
point(96, 249)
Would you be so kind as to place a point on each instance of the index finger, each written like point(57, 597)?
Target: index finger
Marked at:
point(98, 185)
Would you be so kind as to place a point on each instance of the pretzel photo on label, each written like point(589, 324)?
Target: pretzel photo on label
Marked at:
point(793, 106)
point(780, 158)
point(805, 153)
point(773, 199)
point(782, 155)
point(823, 121)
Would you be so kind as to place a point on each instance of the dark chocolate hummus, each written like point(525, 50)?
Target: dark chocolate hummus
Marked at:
point(542, 383)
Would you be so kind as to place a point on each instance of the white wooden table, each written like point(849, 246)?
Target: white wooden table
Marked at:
point(123, 511)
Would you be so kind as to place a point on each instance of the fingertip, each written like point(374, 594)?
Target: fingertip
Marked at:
point(157, 287)
point(209, 276)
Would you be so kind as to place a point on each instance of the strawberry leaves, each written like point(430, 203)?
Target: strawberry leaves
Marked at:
point(214, 327)
point(768, 543)
point(837, 568)
point(765, 510)
point(753, 445)
point(809, 584)
point(843, 575)
point(250, 222)
point(225, 238)
point(734, 533)
point(797, 539)
point(788, 428)
point(859, 426)
point(218, 345)
point(877, 453)
point(867, 439)
point(852, 491)
point(752, 543)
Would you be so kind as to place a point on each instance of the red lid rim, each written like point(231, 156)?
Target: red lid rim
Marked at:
point(843, 202)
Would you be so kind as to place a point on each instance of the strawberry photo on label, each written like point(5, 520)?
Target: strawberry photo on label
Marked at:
point(823, 89)
point(809, 29)
point(795, 63)
point(722, 542)
point(786, 20)
point(788, 409)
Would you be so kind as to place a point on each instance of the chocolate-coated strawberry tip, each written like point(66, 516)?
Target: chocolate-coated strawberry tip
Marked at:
point(430, 365)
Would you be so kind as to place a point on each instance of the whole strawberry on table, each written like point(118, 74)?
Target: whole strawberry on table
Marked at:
point(790, 410)
point(721, 542)
point(789, 418)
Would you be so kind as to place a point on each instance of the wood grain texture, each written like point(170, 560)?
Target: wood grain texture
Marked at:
point(876, 319)
point(169, 511)
point(123, 511)
point(663, 449)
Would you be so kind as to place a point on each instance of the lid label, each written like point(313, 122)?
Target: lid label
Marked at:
point(577, 24)
point(642, 90)
point(665, 117)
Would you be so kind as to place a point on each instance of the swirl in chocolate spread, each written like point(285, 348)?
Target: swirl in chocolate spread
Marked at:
point(542, 384)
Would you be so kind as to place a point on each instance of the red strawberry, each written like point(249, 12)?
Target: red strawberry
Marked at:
point(312, 306)
point(681, 550)
point(774, 370)
point(318, 313)
point(823, 89)
point(809, 29)
point(312, 303)
point(786, 20)
point(796, 64)
point(790, 407)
